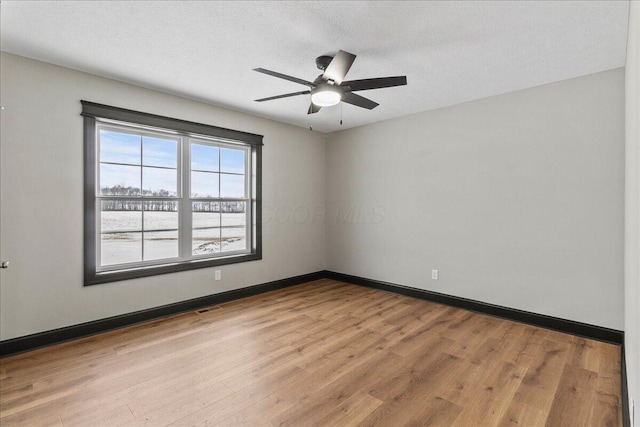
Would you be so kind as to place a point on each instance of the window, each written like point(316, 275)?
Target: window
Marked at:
point(165, 195)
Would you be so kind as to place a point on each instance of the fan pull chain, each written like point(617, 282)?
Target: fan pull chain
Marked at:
point(341, 114)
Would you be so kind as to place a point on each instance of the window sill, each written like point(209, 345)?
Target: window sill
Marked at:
point(93, 278)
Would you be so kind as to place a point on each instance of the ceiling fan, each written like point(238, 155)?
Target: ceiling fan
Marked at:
point(329, 88)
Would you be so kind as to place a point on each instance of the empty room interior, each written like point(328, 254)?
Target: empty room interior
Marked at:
point(310, 213)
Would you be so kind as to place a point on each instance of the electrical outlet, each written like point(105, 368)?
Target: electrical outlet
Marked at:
point(434, 274)
point(218, 274)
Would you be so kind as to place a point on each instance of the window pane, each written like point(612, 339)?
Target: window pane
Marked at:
point(120, 215)
point(160, 244)
point(233, 213)
point(120, 248)
point(233, 239)
point(159, 152)
point(206, 214)
point(160, 215)
point(118, 180)
point(205, 241)
point(204, 184)
point(118, 147)
point(231, 160)
point(206, 231)
point(231, 185)
point(159, 182)
point(204, 157)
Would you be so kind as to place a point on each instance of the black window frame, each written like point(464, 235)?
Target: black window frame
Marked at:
point(92, 113)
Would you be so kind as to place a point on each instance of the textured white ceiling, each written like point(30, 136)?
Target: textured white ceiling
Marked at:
point(451, 52)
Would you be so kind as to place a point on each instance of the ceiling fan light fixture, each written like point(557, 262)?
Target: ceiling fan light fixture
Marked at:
point(330, 88)
point(326, 95)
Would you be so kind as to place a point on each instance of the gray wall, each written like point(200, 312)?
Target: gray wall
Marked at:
point(41, 205)
point(516, 199)
point(632, 209)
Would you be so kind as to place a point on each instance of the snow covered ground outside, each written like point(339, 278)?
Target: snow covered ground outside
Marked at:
point(122, 236)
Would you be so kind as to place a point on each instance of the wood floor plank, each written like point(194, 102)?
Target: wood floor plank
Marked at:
point(404, 396)
point(337, 390)
point(522, 343)
point(585, 354)
point(574, 398)
point(222, 409)
point(523, 415)
point(427, 411)
point(472, 376)
point(258, 413)
point(324, 353)
point(352, 411)
point(539, 385)
point(428, 332)
point(336, 378)
point(606, 410)
point(491, 396)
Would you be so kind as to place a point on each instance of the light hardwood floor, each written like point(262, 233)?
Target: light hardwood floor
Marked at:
point(323, 353)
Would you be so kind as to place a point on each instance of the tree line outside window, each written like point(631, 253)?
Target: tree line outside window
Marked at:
point(161, 205)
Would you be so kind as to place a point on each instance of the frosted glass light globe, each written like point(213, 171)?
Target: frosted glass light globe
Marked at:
point(326, 95)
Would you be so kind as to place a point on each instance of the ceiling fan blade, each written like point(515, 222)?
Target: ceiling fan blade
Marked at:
point(313, 108)
point(284, 76)
point(360, 101)
point(377, 83)
point(286, 95)
point(338, 67)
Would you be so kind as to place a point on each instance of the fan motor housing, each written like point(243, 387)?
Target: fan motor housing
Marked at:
point(322, 62)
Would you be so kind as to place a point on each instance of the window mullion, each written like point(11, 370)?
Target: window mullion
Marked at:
point(248, 207)
point(185, 232)
point(220, 199)
point(141, 195)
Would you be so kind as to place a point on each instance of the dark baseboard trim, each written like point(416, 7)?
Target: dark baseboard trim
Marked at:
point(626, 413)
point(56, 336)
point(568, 326)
